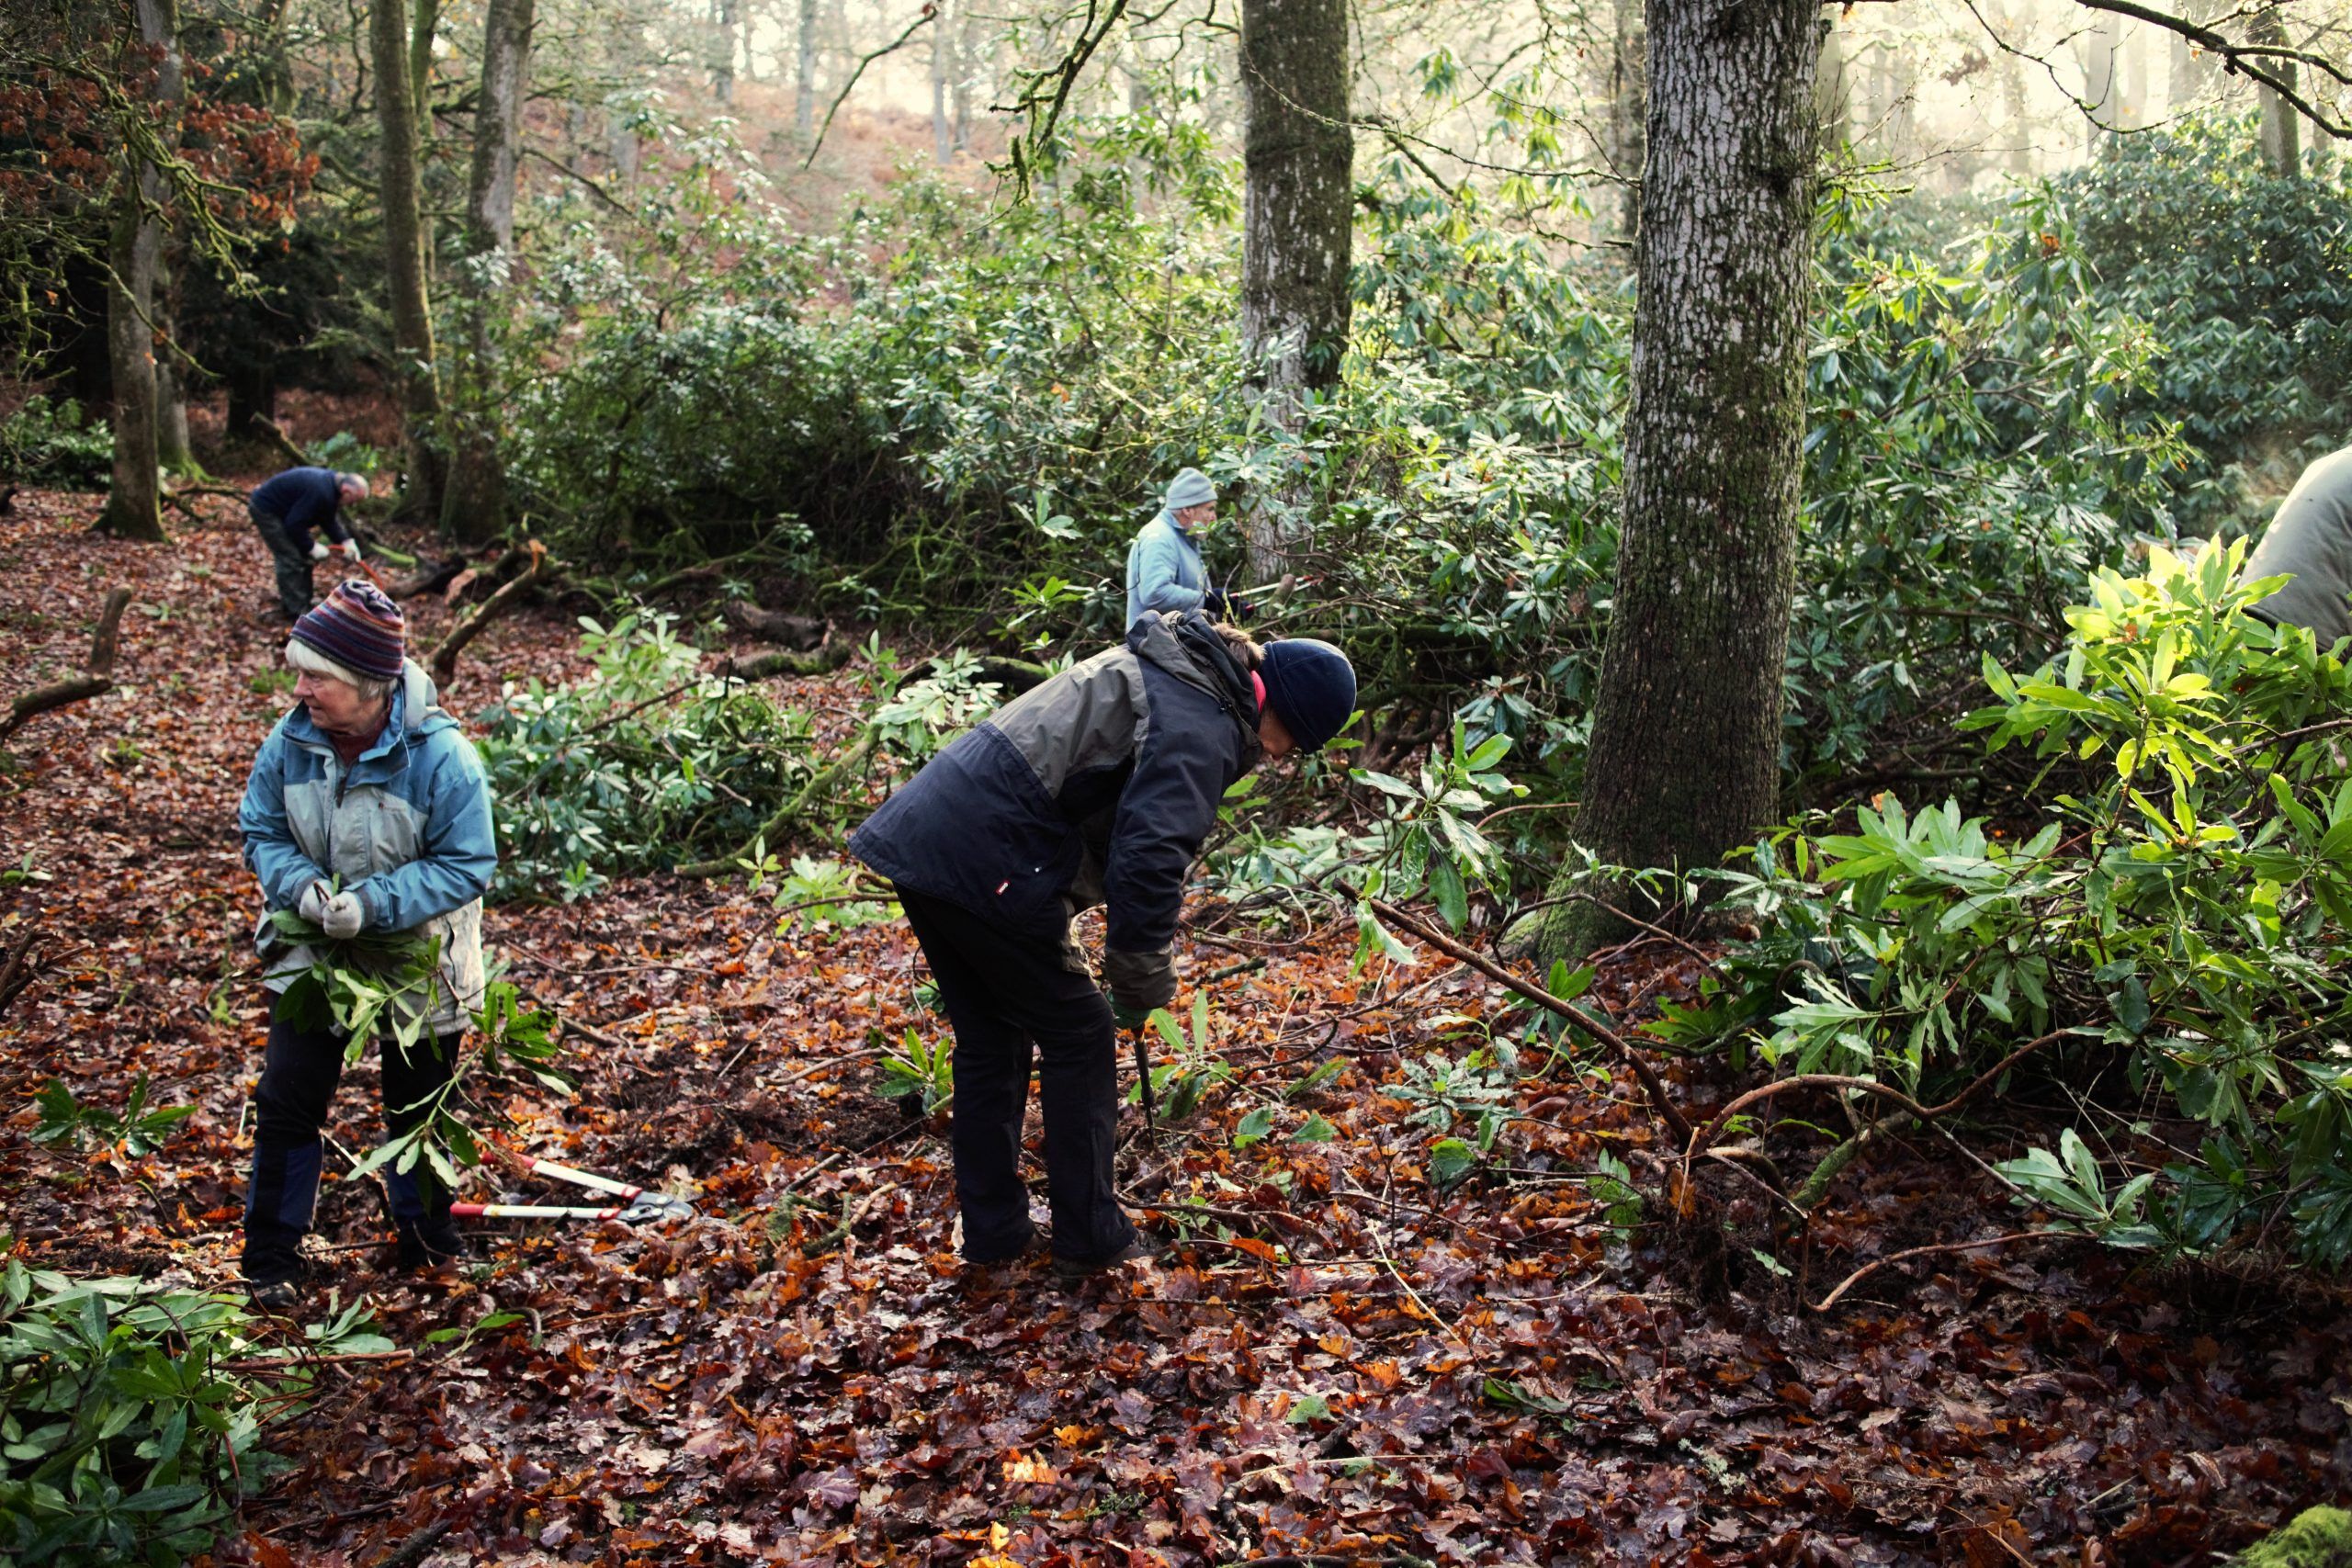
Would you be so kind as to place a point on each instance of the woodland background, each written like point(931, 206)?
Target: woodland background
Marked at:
point(1804, 1024)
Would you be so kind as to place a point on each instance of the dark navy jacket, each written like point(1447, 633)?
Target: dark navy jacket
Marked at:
point(1097, 787)
point(302, 499)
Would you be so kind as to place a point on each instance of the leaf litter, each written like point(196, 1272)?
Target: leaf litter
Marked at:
point(1338, 1360)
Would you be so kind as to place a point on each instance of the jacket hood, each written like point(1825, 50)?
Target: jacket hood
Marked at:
point(1188, 647)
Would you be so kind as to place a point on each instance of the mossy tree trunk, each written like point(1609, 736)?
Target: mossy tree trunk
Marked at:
point(474, 505)
point(1298, 221)
point(413, 371)
point(134, 508)
point(1684, 763)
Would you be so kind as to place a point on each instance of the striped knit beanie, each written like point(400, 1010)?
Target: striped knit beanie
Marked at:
point(359, 628)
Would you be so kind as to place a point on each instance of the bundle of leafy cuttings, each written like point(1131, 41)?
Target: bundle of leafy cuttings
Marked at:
point(387, 984)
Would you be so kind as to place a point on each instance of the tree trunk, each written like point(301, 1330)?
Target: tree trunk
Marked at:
point(2282, 126)
point(1628, 111)
point(134, 508)
point(804, 74)
point(963, 88)
point(413, 371)
point(728, 16)
point(134, 500)
point(1297, 220)
point(252, 400)
point(424, 23)
point(1829, 93)
point(2190, 71)
point(473, 508)
point(1684, 762)
point(2098, 81)
point(943, 70)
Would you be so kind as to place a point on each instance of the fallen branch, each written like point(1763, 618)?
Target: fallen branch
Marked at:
point(444, 662)
point(297, 1363)
point(1707, 1135)
point(96, 679)
point(283, 442)
point(778, 828)
point(19, 971)
point(832, 656)
point(1867, 1270)
point(1652, 1085)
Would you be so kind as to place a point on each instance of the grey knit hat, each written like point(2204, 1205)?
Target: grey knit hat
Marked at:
point(1189, 488)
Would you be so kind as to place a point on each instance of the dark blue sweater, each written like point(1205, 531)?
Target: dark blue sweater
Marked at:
point(303, 499)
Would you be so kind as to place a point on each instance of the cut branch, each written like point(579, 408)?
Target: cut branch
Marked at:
point(96, 679)
point(779, 827)
point(444, 662)
point(1652, 1085)
point(842, 97)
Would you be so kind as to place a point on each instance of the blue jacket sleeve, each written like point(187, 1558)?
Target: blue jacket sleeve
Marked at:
point(1160, 574)
point(270, 850)
point(460, 846)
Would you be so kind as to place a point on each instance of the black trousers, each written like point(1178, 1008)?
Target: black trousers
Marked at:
point(292, 559)
point(1004, 995)
point(298, 1082)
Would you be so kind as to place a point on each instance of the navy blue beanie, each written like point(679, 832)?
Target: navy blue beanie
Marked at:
point(1311, 687)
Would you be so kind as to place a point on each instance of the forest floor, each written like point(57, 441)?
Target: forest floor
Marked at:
point(1362, 1366)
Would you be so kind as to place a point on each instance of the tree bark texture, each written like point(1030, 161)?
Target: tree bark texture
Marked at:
point(726, 18)
point(474, 506)
point(1684, 762)
point(134, 508)
point(1297, 217)
point(159, 24)
point(414, 371)
point(2282, 126)
point(1628, 111)
point(942, 72)
point(804, 74)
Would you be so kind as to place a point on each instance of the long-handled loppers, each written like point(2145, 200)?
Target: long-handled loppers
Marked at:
point(637, 1207)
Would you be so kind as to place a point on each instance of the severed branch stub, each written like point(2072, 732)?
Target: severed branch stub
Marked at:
point(444, 661)
point(96, 679)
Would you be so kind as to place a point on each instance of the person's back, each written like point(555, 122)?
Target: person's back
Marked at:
point(2310, 538)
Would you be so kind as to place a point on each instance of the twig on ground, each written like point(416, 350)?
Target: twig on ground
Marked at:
point(96, 679)
point(1652, 1085)
point(1872, 1267)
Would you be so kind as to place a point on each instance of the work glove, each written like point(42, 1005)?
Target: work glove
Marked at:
point(318, 549)
point(312, 905)
point(1212, 601)
point(1129, 1019)
point(350, 548)
point(343, 916)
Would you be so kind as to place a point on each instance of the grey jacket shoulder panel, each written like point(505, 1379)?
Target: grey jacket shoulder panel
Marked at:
point(2310, 538)
point(1094, 717)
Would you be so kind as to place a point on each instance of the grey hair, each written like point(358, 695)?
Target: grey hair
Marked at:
point(353, 482)
point(311, 661)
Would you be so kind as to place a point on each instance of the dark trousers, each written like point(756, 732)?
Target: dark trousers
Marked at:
point(292, 558)
point(1004, 993)
point(297, 1081)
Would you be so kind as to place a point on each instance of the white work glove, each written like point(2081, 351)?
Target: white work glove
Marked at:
point(351, 550)
point(318, 549)
point(312, 905)
point(343, 916)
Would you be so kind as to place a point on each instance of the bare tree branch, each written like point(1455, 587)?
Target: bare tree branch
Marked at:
point(929, 12)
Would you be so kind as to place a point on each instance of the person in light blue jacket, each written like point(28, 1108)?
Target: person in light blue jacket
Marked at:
point(1164, 570)
point(366, 810)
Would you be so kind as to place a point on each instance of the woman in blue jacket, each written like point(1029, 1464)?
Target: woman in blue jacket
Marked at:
point(366, 810)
